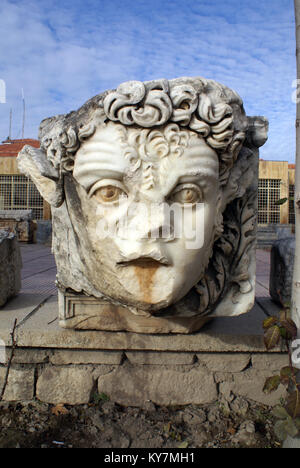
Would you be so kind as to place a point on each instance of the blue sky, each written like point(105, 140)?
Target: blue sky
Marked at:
point(64, 52)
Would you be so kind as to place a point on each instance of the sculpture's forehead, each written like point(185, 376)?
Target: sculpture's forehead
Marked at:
point(107, 155)
point(102, 153)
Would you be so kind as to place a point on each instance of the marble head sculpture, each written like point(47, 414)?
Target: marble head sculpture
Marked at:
point(154, 157)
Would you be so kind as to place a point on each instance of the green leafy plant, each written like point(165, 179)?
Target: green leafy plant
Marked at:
point(171, 432)
point(283, 329)
point(281, 201)
point(98, 398)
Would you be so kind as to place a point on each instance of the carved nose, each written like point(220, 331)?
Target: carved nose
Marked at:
point(164, 232)
point(158, 225)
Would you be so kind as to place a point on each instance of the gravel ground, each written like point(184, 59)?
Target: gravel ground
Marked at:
point(103, 424)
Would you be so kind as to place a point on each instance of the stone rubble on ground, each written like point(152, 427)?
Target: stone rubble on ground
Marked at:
point(104, 424)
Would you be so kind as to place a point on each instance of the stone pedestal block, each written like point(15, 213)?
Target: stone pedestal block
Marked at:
point(10, 266)
point(18, 222)
point(282, 265)
point(89, 313)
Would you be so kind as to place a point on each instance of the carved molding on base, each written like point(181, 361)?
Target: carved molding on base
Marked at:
point(89, 313)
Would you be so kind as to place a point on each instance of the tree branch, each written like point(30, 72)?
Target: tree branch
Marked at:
point(13, 347)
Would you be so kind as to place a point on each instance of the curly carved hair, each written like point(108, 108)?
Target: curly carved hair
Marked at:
point(211, 110)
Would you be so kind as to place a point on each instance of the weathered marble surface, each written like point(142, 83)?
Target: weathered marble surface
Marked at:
point(282, 266)
point(139, 148)
point(10, 266)
point(85, 313)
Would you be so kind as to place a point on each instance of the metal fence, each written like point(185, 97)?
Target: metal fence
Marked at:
point(268, 194)
point(17, 192)
point(291, 204)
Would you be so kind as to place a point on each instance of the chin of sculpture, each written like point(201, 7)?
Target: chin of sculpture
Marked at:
point(153, 189)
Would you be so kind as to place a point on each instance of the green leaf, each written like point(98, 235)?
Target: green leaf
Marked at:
point(293, 404)
point(280, 429)
point(280, 412)
point(287, 373)
point(183, 444)
point(297, 423)
point(272, 337)
point(271, 384)
point(283, 314)
point(290, 327)
point(283, 333)
point(284, 428)
point(167, 428)
point(291, 428)
point(268, 322)
point(281, 201)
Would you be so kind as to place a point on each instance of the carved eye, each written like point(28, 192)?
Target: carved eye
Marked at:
point(188, 193)
point(109, 194)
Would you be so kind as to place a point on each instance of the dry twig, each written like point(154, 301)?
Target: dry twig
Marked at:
point(13, 347)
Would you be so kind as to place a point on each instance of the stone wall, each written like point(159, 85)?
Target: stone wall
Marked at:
point(133, 377)
point(227, 358)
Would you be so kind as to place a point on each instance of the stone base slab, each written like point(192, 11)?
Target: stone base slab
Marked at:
point(227, 358)
point(38, 327)
point(81, 312)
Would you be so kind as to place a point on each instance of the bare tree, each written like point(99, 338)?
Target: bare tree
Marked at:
point(296, 278)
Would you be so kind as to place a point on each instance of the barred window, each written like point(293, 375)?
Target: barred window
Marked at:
point(291, 204)
point(268, 194)
point(17, 192)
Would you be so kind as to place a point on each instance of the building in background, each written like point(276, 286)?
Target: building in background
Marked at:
point(276, 182)
point(17, 192)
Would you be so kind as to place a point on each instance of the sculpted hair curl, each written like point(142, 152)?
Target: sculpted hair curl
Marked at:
point(205, 107)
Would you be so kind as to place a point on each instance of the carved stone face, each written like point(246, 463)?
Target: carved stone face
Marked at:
point(153, 189)
point(129, 179)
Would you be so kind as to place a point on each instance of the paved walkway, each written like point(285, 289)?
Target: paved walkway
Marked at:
point(262, 273)
point(39, 270)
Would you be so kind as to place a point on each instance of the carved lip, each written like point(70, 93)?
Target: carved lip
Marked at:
point(155, 260)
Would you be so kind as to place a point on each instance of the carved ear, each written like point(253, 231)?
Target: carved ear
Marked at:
point(257, 133)
point(34, 164)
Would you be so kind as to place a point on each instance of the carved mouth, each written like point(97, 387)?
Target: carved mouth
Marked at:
point(145, 261)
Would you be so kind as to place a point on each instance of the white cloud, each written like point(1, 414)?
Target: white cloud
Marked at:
point(64, 54)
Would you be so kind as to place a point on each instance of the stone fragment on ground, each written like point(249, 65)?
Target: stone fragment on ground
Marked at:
point(10, 266)
point(282, 266)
